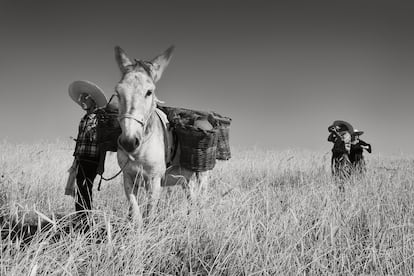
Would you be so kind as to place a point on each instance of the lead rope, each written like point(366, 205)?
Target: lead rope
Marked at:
point(110, 178)
point(110, 99)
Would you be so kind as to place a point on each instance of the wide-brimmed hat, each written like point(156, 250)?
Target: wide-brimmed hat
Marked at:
point(342, 126)
point(76, 88)
point(358, 132)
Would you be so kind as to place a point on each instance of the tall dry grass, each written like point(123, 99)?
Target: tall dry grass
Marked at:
point(265, 213)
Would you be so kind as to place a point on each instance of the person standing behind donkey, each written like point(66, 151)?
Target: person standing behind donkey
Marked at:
point(90, 97)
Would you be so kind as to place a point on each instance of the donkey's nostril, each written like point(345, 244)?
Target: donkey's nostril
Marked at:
point(129, 144)
point(136, 142)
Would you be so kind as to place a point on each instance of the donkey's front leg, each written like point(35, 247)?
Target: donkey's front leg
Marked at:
point(131, 192)
point(154, 188)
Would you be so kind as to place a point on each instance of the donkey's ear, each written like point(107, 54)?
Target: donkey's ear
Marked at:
point(160, 62)
point(122, 59)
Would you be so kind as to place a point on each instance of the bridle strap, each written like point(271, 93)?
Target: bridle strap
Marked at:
point(138, 120)
point(129, 116)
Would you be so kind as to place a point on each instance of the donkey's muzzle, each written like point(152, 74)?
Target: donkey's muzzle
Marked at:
point(129, 144)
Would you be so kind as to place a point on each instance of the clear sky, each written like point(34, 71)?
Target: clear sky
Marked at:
point(282, 70)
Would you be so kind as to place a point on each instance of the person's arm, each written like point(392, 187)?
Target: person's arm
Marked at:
point(365, 146)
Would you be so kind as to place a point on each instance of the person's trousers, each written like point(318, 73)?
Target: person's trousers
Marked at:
point(87, 172)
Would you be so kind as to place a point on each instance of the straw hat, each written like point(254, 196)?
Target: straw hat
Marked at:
point(76, 88)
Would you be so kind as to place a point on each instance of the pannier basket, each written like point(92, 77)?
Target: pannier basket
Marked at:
point(198, 148)
point(222, 124)
point(108, 129)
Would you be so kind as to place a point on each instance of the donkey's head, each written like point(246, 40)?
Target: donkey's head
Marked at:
point(136, 96)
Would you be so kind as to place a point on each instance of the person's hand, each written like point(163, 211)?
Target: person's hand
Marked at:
point(74, 166)
point(367, 148)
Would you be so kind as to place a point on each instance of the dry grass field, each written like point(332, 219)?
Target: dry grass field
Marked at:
point(265, 213)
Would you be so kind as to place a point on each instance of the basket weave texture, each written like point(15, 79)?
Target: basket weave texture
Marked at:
point(223, 136)
point(200, 147)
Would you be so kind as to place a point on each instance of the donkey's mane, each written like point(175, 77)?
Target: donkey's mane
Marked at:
point(146, 65)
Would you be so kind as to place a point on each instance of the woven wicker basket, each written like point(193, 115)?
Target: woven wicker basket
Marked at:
point(198, 148)
point(223, 143)
point(222, 124)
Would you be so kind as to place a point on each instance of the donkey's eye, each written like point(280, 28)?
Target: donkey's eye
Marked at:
point(149, 93)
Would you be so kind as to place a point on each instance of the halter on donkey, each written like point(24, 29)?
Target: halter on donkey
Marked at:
point(142, 145)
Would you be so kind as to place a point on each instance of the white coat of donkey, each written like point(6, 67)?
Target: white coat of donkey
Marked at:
point(142, 145)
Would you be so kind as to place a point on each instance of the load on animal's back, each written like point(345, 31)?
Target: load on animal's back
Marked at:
point(183, 124)
point(202, 137)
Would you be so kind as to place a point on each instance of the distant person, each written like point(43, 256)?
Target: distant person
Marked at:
point(90, 97)
point(341, 138)
point(357, 148)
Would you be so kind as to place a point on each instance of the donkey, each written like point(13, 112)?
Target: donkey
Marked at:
point(143, 149)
